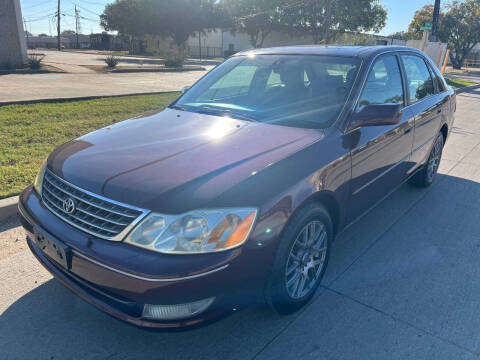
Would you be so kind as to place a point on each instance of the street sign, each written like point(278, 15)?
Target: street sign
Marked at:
point(426, 26)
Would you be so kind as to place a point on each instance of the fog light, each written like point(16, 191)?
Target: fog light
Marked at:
point(176, 311)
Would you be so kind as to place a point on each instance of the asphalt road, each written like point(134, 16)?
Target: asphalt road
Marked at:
point(402, 283)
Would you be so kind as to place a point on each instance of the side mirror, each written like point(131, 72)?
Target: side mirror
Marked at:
point(185, 89)
point(378, 114)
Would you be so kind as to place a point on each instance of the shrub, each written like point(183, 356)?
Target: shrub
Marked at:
point(111, 61)
point(35, 61)
point(174, 61)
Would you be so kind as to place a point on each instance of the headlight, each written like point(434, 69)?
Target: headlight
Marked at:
point(39, 179)
point(199, 231)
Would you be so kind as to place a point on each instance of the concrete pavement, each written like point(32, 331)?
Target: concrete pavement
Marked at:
point(79, 81)
point(403, 283)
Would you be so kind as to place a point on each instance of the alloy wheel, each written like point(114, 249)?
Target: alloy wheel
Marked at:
point(306, 260)
point(434, 160)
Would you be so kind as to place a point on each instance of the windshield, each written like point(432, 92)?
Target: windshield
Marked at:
point(294, 90)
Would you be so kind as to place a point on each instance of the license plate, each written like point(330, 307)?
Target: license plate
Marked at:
point(53, 248)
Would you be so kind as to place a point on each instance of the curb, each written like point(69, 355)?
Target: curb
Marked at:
point(466, 88)
point(161, 70)
point(78, 98)
point(8, 207)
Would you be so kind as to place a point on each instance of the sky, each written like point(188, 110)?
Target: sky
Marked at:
point(38, 14)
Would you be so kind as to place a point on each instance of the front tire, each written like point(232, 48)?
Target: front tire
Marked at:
point(427, 175)
point(301, 259)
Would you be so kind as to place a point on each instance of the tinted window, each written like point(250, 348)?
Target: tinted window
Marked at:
point(384, 83)
point(294, 90)
point(420, 83)
point(236, 82)
point(437, 81)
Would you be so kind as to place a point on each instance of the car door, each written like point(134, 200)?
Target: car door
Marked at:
point(426, 104)
point(380, 154)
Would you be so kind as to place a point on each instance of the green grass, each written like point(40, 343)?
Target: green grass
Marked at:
point(458, 83)
point(28, 133)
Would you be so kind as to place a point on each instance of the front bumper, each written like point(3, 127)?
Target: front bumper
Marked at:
point(119, 278)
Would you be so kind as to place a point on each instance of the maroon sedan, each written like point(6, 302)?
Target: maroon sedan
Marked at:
point(235, 192)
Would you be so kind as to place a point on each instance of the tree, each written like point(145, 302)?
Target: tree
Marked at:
point(321, 18)
point(124, 16)
point(256, 18)
point(422, 16)
point(68, 32)
point(460, 29)
point(401, 35)
point(175, 19)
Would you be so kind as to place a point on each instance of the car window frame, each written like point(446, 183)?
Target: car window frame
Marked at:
point(438, 77)
point(372, 65)
point(346, 122)
point(427, 64)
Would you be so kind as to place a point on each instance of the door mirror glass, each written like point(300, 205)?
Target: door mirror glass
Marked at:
point(378, 114)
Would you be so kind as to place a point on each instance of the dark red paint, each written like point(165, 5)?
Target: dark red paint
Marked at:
point(166, 163)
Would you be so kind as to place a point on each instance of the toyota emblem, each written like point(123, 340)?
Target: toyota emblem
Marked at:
point(69, 205)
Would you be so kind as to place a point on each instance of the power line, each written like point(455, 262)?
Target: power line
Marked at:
point(90, 11)
point(40, 18)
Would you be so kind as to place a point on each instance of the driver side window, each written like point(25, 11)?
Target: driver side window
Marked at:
point(384, 83)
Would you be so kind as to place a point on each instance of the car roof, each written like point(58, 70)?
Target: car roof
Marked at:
point(354, 51)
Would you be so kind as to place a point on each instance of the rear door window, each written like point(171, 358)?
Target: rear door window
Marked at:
point(419, 81)
point(437, 81)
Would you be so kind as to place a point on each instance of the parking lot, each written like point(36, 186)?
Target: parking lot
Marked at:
point(403, 282)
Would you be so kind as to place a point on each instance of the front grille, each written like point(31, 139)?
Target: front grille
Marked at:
point(93, 214)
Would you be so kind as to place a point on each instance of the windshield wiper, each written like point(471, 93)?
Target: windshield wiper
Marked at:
point(176, 107)
point(222, 111)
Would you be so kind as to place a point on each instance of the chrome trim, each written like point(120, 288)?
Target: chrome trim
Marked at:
point(76, 253)
point(93, 195)
point(118, 237)
point(380, 175)
point(80, 220)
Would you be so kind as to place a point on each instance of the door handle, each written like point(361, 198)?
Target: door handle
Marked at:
point(407, 130)
point(439, 111)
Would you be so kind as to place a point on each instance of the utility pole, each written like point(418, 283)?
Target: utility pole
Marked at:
point(76, 25)
point(59, 45)
point(436, 15)
point(26, 30)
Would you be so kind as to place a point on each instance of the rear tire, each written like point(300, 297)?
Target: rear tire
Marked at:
point(301, 259)
point(426, 176)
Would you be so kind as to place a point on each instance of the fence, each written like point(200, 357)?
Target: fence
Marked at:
point(205, 51)
point(469, 64)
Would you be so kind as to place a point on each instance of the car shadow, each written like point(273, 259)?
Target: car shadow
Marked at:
point(9, 223)
point(50, 322)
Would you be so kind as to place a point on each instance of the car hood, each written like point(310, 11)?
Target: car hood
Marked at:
point(174, 161)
